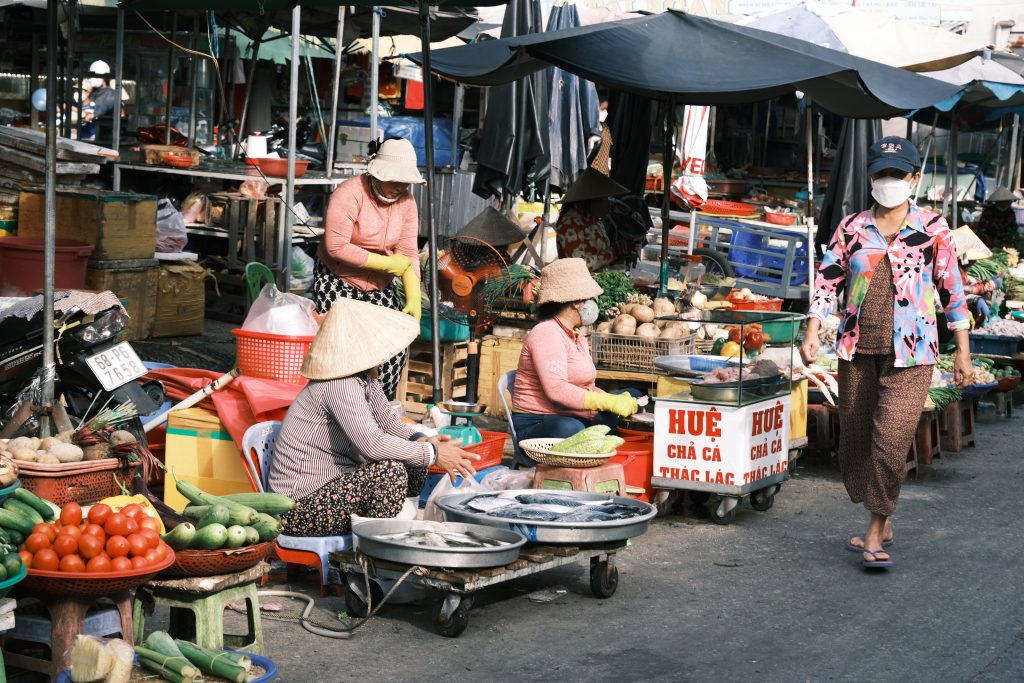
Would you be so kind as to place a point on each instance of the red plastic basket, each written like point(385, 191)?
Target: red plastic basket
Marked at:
point(271, 356)
point(746, 305)
point(85, 585)
point(80, 482)
point(214, 562)
point(727, 208)
point(490, 449)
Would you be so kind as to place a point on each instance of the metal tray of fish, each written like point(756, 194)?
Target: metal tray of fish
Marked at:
point(437, 544)
point(547, 516)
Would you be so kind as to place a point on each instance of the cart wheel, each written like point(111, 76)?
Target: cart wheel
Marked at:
point(698, 498)
point(715, 262)
point(717, 517)
point(604, 579)
point(356, 606)
point(762, 501)
point(667, 503)
point(456, 624)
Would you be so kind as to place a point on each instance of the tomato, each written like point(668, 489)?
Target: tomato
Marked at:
point(98, 513)
point(133, 511)
point(116, 525)
point(65, 545)
point(753, 340)
point(120, 564)
point(152, 537)
point(89, 546)
point(45, 529)
point(71, 514)
point(117, 546)
point(46, 560)
point(96, 531)
point(159, 552)
point(153, 557)
point(26, 558)
point(139, 562)
point(132, 527)
point(36, 542)
point(72, 531)
point(137, 544)
point(148, 522)
point(71, 563)
point(98, 565)
point(734, 334)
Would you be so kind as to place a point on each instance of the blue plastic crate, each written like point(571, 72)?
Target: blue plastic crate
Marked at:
point(707, 363)
point(751, 264)
point(994, 344)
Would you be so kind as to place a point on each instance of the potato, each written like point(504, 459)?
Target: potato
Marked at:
point(660, 324)
point(648, 330)
point(624, 324)
point(97, 451)
point(45, 444)
point(674, 332)
point(35, 442)
point(643, 314)
point(605, 326)
point(626, 308)
point(48, 459)
point(664, 307)
point(24, 454)
point(20, 442)
point(67, 452)
point(121, 437)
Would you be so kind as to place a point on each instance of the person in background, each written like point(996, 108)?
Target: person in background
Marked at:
point(102, 100)
point(580, 231)
point(555, 394)
point(997, 226)
point(341, 450)
point(888, 260)
point(370, 239)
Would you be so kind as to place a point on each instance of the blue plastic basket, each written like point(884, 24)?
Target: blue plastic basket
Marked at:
point(707, 363)
point(747, 263)
point(262, 662)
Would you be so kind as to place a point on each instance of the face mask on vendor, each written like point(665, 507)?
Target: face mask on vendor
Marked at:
point(892, 187)
point(588, 311)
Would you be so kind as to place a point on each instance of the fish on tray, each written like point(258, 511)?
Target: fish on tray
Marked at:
point(487, 502)
point(429, 538)
point(530, 513)
point(548, 499)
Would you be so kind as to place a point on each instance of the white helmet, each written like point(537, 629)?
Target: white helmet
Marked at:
point(99, 67)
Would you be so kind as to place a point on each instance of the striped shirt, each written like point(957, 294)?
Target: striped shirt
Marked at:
point(332, 428)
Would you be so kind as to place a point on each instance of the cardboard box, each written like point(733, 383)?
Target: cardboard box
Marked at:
point(200, 451)
point(353, 144)
point(135, 283)
point(122, 225)
point(498, 355)
point(180, 300)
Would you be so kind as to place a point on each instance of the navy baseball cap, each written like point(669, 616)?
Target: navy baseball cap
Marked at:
point(893, 152)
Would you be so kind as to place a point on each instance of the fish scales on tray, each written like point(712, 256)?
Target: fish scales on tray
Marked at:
point(530, 513)
point(587, 514)
point(548, 499)
point(487, 502)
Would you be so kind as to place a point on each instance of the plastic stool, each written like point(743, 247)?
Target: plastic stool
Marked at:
point(36, 628)
point(311, 551)
point(197, 607)
point(67, 618)
point(607, 478)
point(927, 438)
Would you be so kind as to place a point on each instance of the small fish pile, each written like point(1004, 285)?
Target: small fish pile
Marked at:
point(430, 538)
point(546, 507)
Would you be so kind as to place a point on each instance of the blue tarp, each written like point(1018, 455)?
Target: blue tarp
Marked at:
point(411, 128)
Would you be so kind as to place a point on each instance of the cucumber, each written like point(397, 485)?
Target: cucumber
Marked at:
point(237, 516)
point(211, 537)
point(240, 514)
point(24, 510)
point(16, 521)
point(236, 536)
point(270, 503)
point(41, 506)
point(5, 538)
point(3, 573)
point(267, 527)
point(17, 538)
point(12, 563)
point(181, 536)
point(252, 537)
point(196, 512)
point(217, 514)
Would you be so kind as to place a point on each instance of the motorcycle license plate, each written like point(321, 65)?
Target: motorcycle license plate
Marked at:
point(116, 366)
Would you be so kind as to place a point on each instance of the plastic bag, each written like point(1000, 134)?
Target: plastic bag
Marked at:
point(193, 208)
point(302, 269)
point(508, 479)
point(444, 488)
point(257, 189)
point(171, 236)
point(277, 312)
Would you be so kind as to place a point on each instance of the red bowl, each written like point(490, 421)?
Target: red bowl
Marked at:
point(279, 167)
point(84, 585)
point(779, 218)
point(177, 160)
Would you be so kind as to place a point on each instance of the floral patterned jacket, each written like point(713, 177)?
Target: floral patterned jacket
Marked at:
point(923, 259)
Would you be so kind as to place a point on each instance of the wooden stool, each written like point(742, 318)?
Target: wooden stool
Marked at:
point(1003, 402)
point(956, 426)
point(606, 478)
point(927, 438)
point(67, 620)
point(822, 417)
point(197, 607)
point(912, 459)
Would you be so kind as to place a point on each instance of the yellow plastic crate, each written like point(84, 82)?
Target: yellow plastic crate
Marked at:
point(201, 451)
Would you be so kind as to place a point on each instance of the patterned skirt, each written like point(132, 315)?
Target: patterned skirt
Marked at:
point(327, 287)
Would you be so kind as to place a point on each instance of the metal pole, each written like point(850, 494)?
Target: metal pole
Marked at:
point(375, 77)
point(50, 215)
point(69, 58)
point(194, 86)
point(809, 136)
point(953, 135)
point(666, 165)
point(332, 138)
point(1011, 164)
point(170, 76)
point(293, 113)
point(428, 202)
point(119, 75)
point(545, 222)
point(457, 107)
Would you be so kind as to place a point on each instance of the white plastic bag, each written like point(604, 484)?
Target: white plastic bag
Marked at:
point(171, 236)
point(444, 488)
point(276, 312)
point(507, 479)
point(302, 269)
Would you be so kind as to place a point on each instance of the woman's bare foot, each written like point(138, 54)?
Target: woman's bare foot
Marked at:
point(856, 544)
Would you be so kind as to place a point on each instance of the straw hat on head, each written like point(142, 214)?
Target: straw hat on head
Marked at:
point(1002, 194)
point(566, 280)
point(592, 184)
point(356, 336)
point(493, 227)
point(969, 246)
point(395, 162)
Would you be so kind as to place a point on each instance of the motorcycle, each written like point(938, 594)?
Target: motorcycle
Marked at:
point(93, 369)
point(277, 140)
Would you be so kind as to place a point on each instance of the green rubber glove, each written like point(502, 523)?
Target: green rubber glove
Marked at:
point(413, 296)
point(396, 264)
point(622, 405)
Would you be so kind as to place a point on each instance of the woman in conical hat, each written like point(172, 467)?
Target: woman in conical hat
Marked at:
point(341, 449)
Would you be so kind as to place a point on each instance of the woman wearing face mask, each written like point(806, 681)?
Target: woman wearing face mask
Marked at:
point(370, 239)
point(891, 260)
point(555, 395)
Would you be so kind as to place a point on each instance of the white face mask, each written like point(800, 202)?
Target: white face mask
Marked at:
point(588, 312)
point(890, 192)
point(602, 115)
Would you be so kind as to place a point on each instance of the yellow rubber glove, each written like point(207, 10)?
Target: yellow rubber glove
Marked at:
point(622, 405)
point(396, 264)
point(413, 296)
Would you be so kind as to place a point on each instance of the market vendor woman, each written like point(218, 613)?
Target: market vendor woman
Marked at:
point(341, 449)
point(555, 395)
point(370, 239)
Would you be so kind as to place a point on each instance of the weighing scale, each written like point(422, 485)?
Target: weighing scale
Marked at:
point(461, 426)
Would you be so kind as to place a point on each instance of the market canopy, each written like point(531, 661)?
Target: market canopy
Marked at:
point(696, 60)
point(986, 84)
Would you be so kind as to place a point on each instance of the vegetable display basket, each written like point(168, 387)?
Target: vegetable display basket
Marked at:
point(268, 665)
point(1004, 385)
point(85, 585)
point(216, 562)
point(79, 482)
point(271, 356)
point(630, 352)
point(976, 391)
point(540, 450)
point(994, 344)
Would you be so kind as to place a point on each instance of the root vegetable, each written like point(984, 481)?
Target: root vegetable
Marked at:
point(45, 444)
point(48, 459)
point(624, 324)
point(121, 437)
point(67, 436)
point(663, 307)
point(648, 330)
point(20, 442)
point(8, 469)
point(24, 454)
point(674, 332)
point(604, 327)
point(35, 441)
point(97, 451)
point(67, 452)
point(643, 314)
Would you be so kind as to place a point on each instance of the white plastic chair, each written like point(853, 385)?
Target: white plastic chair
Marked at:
point(507, 382)
point(311, 551)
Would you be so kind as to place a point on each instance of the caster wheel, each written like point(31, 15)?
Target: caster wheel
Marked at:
point(723, 519)
point(698, 498)
point(761, 501)
point(604, 579)
point(666, 504)
point(454, 625)
point(354, 604)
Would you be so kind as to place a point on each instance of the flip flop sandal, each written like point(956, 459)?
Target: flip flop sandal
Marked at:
point(876, 563)
point(859, 548)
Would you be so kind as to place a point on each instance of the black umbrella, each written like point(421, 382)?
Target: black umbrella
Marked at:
point(848, 187)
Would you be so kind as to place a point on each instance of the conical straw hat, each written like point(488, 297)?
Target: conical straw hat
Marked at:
point(356, 336)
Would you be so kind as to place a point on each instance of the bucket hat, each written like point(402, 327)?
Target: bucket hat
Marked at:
point(566, 280)
point(356, 336)
point(493, 227)
point(395, 162)
point(893, 152)
point(592, 184)
point(1002, 194)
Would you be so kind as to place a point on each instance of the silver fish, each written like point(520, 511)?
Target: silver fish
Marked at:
point(548, 499)
point(485, 503)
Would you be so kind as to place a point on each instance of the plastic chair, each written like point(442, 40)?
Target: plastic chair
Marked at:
point(256, 276)
point(310, 551)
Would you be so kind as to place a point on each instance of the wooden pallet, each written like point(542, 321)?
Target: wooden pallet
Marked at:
point(251, 225)
point(416, 387)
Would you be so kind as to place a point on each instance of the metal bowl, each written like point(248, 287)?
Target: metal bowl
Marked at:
point(462, 408)
point(367, 541)
point(716, 292)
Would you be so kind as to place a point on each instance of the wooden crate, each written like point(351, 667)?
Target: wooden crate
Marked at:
point(135, 283)
point(498, 355)
point(251, 225)
point(416, 387)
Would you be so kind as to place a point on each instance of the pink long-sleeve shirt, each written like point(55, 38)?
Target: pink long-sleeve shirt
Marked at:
point(555, 372)
point(357, 224)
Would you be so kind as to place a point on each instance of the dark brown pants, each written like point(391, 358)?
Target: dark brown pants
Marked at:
point(879, 408)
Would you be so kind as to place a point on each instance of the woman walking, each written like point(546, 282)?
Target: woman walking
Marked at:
point(891, 260)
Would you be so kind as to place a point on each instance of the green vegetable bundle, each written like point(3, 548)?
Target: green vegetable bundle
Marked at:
point(590, 441)
point(943, 396)
point(617, 288)
point(989, 268)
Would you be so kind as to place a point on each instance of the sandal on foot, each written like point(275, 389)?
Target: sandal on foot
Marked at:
point(854, 548)
point(875, 562)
